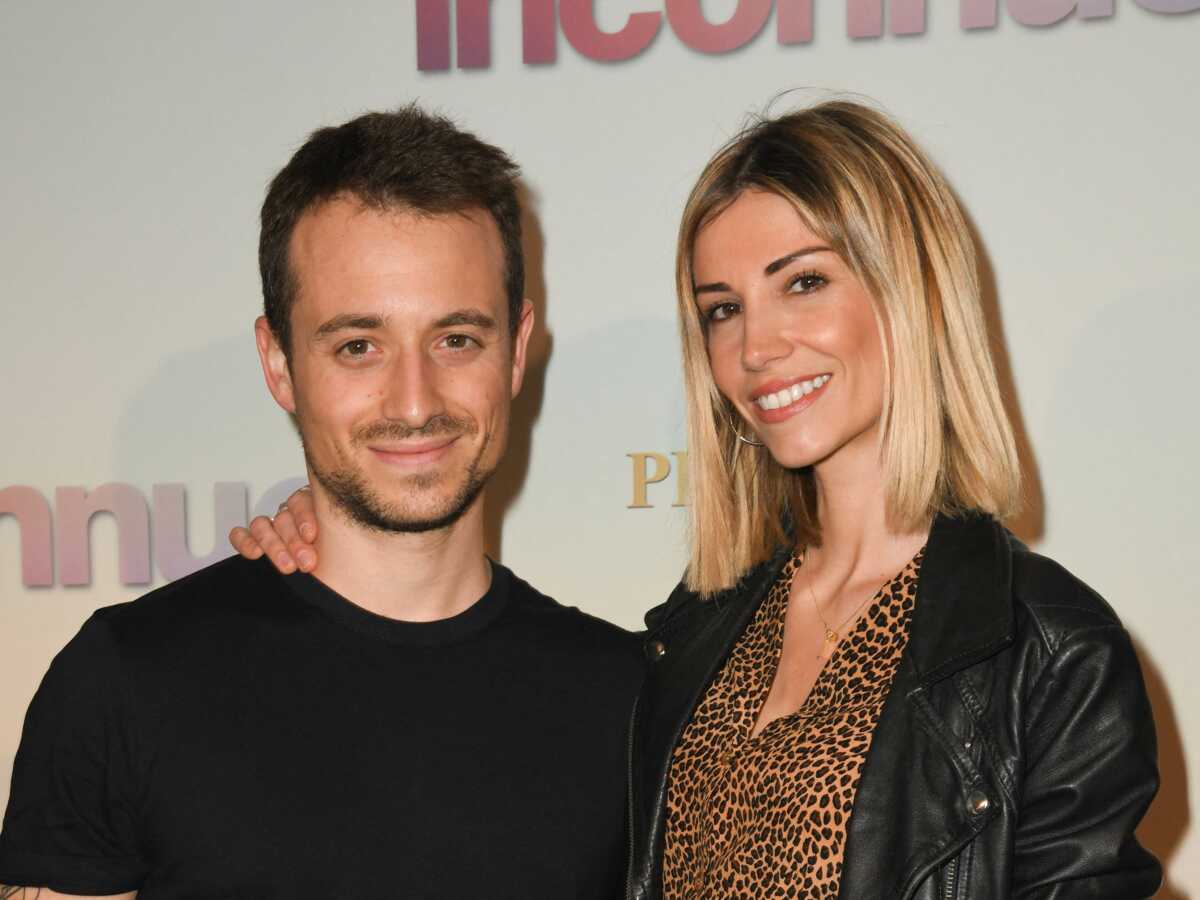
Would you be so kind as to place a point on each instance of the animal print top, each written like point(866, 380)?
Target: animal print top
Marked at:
point(765, 817)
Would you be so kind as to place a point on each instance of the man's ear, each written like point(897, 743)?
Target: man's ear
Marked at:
point(274, 365)
point(520, 343)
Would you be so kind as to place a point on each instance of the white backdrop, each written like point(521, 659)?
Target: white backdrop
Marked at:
point(139, 137)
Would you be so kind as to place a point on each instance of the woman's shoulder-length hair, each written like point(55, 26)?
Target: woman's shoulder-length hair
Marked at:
point(861, 183)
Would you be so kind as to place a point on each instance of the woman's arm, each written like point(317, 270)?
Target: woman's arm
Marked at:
point(1090, 773)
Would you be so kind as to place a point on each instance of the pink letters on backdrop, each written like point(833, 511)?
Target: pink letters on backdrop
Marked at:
point(688, 22)
point(579, 26)
point(541, 21)
point(66, 534)
point(32, 513)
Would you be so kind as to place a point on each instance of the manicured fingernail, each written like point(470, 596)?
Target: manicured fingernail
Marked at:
point(306, 559)
point(308, 531)
point(285, 562)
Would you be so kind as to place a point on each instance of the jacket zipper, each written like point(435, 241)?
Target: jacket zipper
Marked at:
point(629, 798)
point(951, 880)
point(952, 863)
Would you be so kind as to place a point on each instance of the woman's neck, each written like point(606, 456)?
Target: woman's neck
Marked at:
point(858, 537)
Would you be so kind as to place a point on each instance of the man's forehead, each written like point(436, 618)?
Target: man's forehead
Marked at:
point(349, 259)
point(347, 213)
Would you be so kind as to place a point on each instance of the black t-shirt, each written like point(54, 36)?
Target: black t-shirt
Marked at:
point(242, 734)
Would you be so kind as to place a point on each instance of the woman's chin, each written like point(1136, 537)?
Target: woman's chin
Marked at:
point(790, 455)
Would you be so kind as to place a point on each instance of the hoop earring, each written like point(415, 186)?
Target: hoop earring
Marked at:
point(746, 440)
point(741, 437)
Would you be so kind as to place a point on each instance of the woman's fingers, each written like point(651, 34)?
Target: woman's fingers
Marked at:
point(244, 543)
point(287, 527)
point(265, 532)
point(286, 539)
point(300, 505)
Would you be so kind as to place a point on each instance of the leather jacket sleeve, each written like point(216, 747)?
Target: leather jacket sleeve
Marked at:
point(1090, 771)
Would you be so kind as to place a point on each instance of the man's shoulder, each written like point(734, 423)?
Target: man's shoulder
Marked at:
point(227, 592)
point(180, 629)
point(570, 623)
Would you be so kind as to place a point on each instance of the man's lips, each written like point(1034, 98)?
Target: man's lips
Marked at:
point(413, 453)
point(780, 399)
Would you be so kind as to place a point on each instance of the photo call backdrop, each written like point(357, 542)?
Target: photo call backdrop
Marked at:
point(139, 138)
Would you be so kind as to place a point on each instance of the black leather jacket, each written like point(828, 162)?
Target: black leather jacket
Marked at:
point(1014, 755)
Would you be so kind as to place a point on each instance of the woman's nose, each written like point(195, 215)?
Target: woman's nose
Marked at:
point(763, 341)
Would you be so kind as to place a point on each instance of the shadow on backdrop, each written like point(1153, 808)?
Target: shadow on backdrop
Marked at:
point(1138, 449)
point(1029, 524)
point(509, 478)
point(1162, 831)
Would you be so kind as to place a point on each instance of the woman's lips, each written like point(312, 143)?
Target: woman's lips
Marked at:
point(776, 401)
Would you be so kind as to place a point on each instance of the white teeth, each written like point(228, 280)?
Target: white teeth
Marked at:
point(790, 395)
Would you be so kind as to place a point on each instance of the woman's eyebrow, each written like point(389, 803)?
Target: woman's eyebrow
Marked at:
point(770, 269)
point(774, 267)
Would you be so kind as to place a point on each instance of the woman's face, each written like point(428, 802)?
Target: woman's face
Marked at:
point(792, 336)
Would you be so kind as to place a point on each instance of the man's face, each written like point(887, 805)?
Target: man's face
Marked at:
point(403, 367)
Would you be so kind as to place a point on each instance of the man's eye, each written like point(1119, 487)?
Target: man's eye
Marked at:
point(460, 341)
point(355, 348)
point(807, 282)
point(719, 312)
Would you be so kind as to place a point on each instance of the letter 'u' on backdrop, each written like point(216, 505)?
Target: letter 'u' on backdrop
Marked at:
point(139, 139)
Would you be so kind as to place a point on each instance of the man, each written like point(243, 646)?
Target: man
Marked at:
point(409, 720)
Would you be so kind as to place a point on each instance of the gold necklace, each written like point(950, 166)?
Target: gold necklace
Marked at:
point(832, 635)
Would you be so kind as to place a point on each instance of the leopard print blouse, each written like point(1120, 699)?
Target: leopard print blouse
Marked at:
point(766, 817)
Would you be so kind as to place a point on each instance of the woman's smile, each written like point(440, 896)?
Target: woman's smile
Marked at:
point(777, 400)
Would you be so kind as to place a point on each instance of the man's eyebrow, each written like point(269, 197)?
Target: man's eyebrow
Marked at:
point(466, 317)
point(348, 322)
point(771, 269)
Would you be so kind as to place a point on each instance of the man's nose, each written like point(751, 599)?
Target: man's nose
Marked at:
point(412, 395)
point(763, 341)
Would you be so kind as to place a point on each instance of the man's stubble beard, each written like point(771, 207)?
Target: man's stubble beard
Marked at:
point(351, 492)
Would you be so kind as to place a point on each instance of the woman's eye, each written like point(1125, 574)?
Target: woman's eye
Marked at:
point(806, 283)
point(719, 312)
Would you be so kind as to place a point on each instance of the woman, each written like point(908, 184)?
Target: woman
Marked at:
point(865, 686)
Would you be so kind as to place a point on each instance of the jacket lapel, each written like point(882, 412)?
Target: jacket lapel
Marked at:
point(913, 808)
point(676, 684)
point(964, 609)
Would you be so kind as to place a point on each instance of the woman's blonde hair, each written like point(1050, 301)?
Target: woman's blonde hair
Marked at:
point(859, 182)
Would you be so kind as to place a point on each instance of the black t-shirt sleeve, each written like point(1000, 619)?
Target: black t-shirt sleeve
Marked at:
point(70, 824)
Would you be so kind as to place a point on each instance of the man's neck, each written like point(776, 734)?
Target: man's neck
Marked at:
point(419, 577)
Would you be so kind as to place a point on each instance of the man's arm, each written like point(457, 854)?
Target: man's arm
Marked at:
point(16, 892)
point(71, 825)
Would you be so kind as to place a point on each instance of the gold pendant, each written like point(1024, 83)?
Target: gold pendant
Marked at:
point(831, 639)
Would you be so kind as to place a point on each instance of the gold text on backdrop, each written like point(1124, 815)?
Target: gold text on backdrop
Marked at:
point(650, 468)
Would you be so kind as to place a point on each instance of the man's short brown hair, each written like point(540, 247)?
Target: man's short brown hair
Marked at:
point(408, 160)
